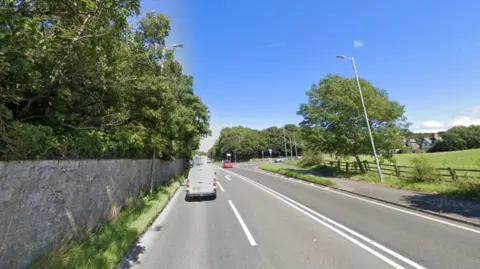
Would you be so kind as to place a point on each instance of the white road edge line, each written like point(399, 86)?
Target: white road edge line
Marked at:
point(325, 221)
point(391, 207)
point(227, 177)
point(242, 223)
point(220, 185)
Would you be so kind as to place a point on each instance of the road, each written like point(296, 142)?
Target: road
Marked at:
point(264, 221)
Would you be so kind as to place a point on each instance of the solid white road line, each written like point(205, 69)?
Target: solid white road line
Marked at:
point(227, 177)
point(242, 223)
point(220, 185)
point(326, 222)
point(386, 206)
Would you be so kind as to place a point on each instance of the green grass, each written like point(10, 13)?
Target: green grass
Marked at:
point(465, 187)
point(275, 168)
point(466, 159)
point(104, 248)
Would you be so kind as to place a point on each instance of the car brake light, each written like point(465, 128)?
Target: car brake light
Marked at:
point(188, 183)
point(214, 182)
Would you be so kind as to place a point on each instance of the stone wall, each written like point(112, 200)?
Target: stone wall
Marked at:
point(41, 202)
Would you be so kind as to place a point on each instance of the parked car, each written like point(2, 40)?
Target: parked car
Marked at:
point(201, 180)
point(280, 159)
point(208, 160)
point(227, 164)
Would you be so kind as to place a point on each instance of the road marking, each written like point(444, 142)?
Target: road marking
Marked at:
point(242, 223)
point(220, 185)
point(327, 221)
point(386, 206)
point(227, 177)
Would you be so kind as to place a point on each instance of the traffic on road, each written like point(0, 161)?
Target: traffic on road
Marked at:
point(266, 221)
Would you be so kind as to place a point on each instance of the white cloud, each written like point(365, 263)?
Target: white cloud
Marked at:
point(357, 43)
point(467, 117)
point(432, 124)
point(465, 121)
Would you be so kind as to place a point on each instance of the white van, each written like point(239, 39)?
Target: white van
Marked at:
point(201, 180)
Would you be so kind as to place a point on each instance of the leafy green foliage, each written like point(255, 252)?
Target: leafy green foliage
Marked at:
point(423, 170)
point(333, 119)
point(311, 157)
point(458, 138)
point(249, 143)
point(77, 82)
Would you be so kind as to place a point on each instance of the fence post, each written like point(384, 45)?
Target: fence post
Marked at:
point(367, 167)
point(346, 167)
point(338, 167)
point(453, 174)
point(355, 165)
point(397, 170)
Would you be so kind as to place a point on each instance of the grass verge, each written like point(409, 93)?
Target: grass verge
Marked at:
point(275, 168)
point(463, 188)
point(107, 246)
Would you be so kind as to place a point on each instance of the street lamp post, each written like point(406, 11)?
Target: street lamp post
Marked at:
point(295, 141)
point(285, 142)
point(379, 169)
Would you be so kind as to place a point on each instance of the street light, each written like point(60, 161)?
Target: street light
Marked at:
point(174, 46)
point(379, 169)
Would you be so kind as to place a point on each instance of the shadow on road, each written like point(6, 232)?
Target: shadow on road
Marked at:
point(131, 257)
point(444, 204)
point(199, 199)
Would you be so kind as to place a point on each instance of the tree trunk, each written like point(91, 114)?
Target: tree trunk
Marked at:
point(362, 169)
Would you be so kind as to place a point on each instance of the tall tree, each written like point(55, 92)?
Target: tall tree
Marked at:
point(333, 119)
point(77, 82)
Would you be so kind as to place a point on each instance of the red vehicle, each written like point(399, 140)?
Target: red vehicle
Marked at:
point(227, 164)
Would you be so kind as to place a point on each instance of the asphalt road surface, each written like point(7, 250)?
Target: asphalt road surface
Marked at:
point(264, 221)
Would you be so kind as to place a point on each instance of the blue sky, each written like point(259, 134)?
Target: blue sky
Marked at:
point(252, 61)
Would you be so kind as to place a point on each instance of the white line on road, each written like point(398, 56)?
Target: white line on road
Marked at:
point(386, 206)
point(227, 177)
point(326, 222)
point(220, 185)
point(244, 227)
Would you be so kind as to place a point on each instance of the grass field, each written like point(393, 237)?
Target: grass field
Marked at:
point(467, 186)
point(104, 248)
point(275, 168)
point(454, 159)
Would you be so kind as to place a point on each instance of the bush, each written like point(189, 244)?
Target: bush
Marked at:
point(28, 141)
point(311, 158)
point(423, 170)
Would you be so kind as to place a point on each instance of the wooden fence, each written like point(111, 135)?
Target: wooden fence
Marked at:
point(401, 170)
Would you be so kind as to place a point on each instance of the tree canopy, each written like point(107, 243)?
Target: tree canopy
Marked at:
point(249, 143)
point(458, 138)
point(76, 81)
point(333, 119)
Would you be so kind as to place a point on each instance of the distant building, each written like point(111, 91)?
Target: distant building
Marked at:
point(427, 142)
point(410, 143)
